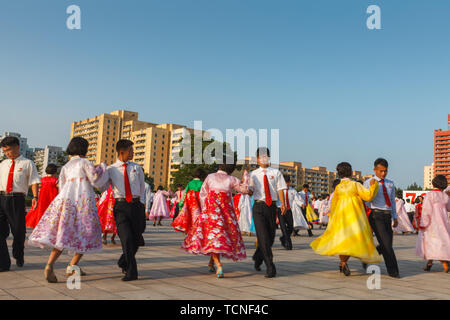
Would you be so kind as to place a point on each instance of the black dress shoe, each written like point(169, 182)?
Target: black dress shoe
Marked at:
point(364, 265)
point(270, 275)
point(127, 278)
point(20, 262)
point(258, 265)
point(282, 242)
point(395, 275)
point(3, 270)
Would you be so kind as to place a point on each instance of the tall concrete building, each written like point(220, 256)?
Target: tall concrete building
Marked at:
point(49, 154)
point(442, 151)
point(428, 175)
point(155, 145)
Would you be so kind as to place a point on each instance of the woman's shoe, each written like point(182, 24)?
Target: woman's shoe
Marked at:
point(113, 241)
point(104, 241)
point(428, 266)
point(211, 268)
point(49, 274)
point(71, 271)
point(345, 269)
point(154, 223)
point(219, 272)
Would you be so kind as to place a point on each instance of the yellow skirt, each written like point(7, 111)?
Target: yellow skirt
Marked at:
point(348, 233)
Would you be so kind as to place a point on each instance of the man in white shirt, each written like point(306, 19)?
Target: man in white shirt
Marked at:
point(17, 174)
point(287, 220)
point(410, 209)
point(267, 186)
point(127, 181)
point(306, 198)
point(148, 199)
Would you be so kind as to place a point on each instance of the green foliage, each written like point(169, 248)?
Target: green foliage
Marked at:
point(414, 187)
point(149, 180)
point(185, 172)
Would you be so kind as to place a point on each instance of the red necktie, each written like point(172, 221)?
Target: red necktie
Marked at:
point(386, 197)
point(288, 206)
point(128, 194)
point(267, 191)
point(9, 184)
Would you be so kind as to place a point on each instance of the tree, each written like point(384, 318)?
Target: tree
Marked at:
point(414, 187)
point(185, 172)
point(61, 159)
point(149, 180)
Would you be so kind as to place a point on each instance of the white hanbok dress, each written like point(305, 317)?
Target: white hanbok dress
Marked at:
point(71, 221)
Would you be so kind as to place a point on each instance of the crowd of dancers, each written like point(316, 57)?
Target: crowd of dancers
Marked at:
point(67, 215)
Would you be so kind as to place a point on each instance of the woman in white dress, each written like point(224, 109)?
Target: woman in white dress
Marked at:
point(71, 221)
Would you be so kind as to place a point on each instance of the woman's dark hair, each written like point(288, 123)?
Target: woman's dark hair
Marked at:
point(200, 174)
point(51, 169)
point(306, 186)
point(179, 185)
point(160, 188)
point(263, 151)
point(381, 161)
point(10, 142)
point(78, 146)
point(399, 194)
point(287, 178)
point(344, 170)
point(440, 182)
point(123, 145)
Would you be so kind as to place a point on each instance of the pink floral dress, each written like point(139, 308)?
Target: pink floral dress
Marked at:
point(71, 221)
point(216, 229)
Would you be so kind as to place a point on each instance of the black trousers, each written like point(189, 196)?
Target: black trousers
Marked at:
point(382, 226)
point(130, 221)
point(306, 219)
point(411, 216)
point(265, 220)
point(286, 226)
point(177, 212)
point(12, 217)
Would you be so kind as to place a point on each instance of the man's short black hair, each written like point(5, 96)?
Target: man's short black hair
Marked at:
point(10, 142)
point(344, 170)
point(306, 186)
point(440, 182)
point(287, 178)
point(399, 194)
point(263, 151)
point(123, 145)
point(200, 173)
point(51, 169)
point(78, 146)
point(381, 161)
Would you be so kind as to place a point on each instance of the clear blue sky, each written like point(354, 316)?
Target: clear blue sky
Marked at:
point(336, 90)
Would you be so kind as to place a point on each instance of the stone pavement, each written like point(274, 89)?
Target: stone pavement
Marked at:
point(166, 272)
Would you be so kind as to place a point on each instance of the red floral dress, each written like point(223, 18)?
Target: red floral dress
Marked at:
point(47, 193)
point(106, 213)
point(216, 230)
point(191, 210)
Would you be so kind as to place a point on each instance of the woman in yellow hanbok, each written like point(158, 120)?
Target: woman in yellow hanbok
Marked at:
point(349, 233)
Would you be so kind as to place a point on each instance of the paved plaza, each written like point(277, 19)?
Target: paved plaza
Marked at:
point(166, 272)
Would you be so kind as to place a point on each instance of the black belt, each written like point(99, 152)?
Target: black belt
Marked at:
point(125, 200)
point(382, 211)
point(12, 194)
point(264, 201)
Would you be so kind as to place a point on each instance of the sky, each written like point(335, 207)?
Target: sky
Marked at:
point(336, 90)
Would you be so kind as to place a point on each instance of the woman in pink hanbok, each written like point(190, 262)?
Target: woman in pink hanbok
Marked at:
point(404, 224)
point(216, 231)
point(71, 221)
point(159, 209)
point(433, 242)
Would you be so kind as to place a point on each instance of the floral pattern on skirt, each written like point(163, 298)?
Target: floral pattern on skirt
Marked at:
point(191, 210)
point(106, 213)
point(216, 229)
point(71, 225)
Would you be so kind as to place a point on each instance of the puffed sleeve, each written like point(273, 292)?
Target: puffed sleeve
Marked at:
point(238, 186)
point(367, 194)
point(204, 191)
point(427, 210)
point(97, 176)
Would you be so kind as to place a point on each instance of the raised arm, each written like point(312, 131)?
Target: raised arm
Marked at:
point(367, 194)
point(204, 192)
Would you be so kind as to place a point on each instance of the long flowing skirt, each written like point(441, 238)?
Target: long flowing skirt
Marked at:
point(189, 213)
point(216, 229)
point(106, 214)
point(46, 196)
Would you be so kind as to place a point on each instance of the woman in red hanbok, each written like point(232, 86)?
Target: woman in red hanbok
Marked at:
point(216, 231)
point(418, 213)
point(105, 210)
point(47, 192)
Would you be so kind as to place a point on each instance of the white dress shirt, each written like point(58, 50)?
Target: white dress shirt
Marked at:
point(410, 207)
point(294, 198)
point(379, 202)
point(276, 183)
point(25, 174)
point(117, 180)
